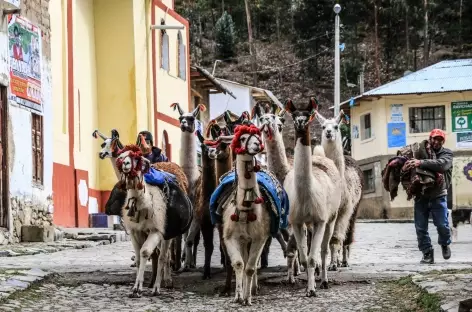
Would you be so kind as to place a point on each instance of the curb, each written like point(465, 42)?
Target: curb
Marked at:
point(14, 280)
point(385, 221)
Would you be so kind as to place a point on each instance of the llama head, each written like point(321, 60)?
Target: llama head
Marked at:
point(302, 117)
point(331, 128)
point(131, 163)
point(244, 119)
point(247, 140)
point(271, 117)
point(110, 146)
point(187, 120)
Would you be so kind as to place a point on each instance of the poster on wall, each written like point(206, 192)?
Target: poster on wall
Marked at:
point(461, 114)
point(355, 131)
point(396, 134)
point(396, 112)
point(25, 62)
point(464, 140)
point(13, 3)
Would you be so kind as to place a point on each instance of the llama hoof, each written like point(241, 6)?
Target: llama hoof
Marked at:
point(324, 285)
point(345, 264)
point(156, 292)
point(311, 293)
point(332, 267)
point(238, 298)
point(317, 270)
point(248, 302)
point(136, 293)
point(339, 263)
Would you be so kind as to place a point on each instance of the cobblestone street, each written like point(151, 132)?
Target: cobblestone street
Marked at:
point(100, 278)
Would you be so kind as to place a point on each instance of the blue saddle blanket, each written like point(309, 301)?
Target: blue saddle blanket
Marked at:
point(274, 195)
point(158, 177)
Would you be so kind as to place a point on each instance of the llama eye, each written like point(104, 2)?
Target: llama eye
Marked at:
point(103, 145)
point(324, 127)
point(335, 127)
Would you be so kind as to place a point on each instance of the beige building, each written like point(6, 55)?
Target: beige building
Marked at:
point(404, 111)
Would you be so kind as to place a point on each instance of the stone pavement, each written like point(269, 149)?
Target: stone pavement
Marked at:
point(99, 278)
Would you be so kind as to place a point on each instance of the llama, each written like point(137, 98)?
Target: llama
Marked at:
point(188, 160)
point(146, 215)
point(312, 188)
point(246, 218)
point(110, 147)
point(352, 184)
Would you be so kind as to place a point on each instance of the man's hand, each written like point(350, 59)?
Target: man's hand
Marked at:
point(413, 163)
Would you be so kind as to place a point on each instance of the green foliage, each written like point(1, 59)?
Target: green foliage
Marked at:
point(225, 36)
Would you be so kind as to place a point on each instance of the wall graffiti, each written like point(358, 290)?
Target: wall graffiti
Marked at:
point(468, 171)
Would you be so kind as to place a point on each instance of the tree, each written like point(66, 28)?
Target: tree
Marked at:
point(225, 36)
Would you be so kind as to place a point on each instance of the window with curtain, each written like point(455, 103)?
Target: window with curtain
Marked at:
point(425, 119)
point(164, 48)
point(181, 57)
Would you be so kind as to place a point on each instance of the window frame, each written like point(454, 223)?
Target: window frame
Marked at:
point(37, 152)
point(362, 126)
point(163, 34)
point(368, 190)
point(181, 72)
point(421, 109)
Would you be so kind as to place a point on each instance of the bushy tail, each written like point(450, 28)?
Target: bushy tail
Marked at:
point(319, 151)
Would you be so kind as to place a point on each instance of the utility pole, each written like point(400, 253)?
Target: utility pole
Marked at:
point(337, 83)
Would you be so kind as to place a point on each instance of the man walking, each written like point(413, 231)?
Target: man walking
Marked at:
point(434, 200)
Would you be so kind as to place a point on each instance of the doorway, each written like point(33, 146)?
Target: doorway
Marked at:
point(4, 176)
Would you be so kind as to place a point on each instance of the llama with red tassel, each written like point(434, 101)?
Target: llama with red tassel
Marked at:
point(246, 219)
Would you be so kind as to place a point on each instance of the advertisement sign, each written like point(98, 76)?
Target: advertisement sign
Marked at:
point(396, 112)
point(396, 134)
point(25, 62)
point(13, 3)
point(461, 113)
point(464, 140)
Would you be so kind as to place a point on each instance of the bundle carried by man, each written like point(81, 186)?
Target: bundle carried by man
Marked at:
point(415, 181)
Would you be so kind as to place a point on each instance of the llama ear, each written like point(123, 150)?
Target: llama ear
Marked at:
point(314, 104)
point(256, 111)
point(97, 134)
point(200, 136)
point(274, 108)
point(177, 106)
point(244, 116)
point(146, 165)
point(319, 117)
point(115, 134)
point(198, 109)
point(227, 116)
point(281, 115)
point(289, 107)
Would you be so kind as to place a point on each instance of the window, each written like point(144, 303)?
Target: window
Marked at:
point(425, 119)
point(369, 185)
point(181, 58)
point(366, 128)
point(164, 48)
point(37, 145)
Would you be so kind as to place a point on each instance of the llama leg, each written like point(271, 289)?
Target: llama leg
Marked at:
point(296, 264)
point(196, 241)
point(300, 237)
point(282, 243)
point(207, 231)
point(168, 271)
point(340, 230)
point(265, 254)
point(313, 258)
point(146, 251)
point(177, 252)
point(228, 267)
point(257, 247)
point(137, 243)
point(324, 254)
point(154, 259)
point(292, 255)
point(235, 253)
point(193, 231)
point(160, 265)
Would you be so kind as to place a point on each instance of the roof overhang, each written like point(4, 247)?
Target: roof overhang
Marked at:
point(202, 79)
point(258, 94)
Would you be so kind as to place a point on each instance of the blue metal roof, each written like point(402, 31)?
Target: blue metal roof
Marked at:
point(445, 76)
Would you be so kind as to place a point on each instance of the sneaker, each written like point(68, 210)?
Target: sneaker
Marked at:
point(446, 251)
point(428, 257)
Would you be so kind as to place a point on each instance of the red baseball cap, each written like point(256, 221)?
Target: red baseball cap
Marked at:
point(438, 133)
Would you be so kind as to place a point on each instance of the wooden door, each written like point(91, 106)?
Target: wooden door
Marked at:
point(4, 177)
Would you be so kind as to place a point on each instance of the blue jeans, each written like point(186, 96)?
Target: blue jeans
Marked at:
point(439, 212)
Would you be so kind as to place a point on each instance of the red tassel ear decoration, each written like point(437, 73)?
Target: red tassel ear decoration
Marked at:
point(234, 217)
point(258, 200)
point(256, 168)
point(251, 216)
point(140, 185)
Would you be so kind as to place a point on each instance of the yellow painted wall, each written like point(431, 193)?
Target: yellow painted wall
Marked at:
point(116, 68)
point(85, 87)
point(170, 88)
point(57, 11)
point(377, 146)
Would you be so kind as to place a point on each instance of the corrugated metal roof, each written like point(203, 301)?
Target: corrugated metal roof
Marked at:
point(445, 76)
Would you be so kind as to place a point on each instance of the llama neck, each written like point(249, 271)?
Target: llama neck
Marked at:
point(224, 165)
point(208, 175)
point(276, 156)
point(244, 163)
point(113, 163)
point(188, 156)
point(334, 151)
point(302, 160)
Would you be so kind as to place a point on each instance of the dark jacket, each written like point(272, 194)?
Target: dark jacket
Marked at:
point(156, 156)
point(442, 164)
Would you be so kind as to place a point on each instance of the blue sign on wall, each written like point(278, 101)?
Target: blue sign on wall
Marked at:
point(396, 134)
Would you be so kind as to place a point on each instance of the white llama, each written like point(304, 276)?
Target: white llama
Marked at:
point(246, 219)
point(312, 188)
point(352, 183)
